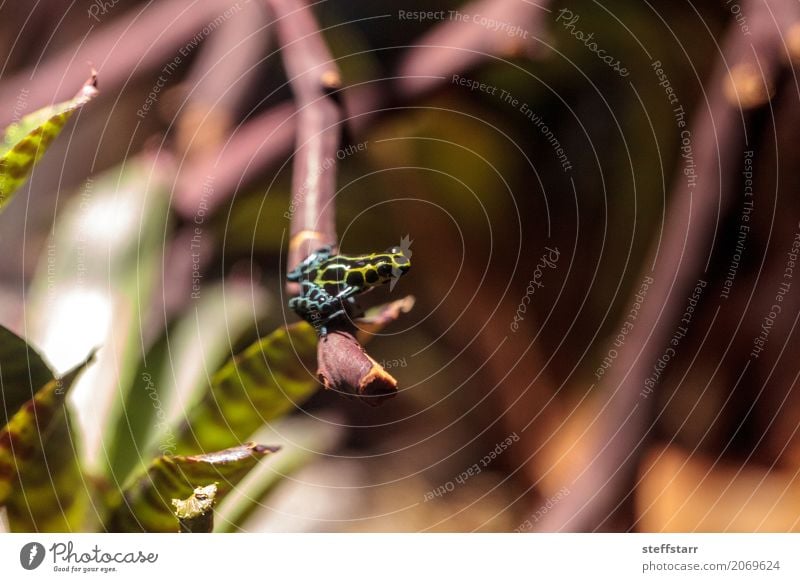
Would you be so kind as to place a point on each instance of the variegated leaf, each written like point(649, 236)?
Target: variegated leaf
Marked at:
point(26, 141)
point(22, 373)
point(146, 503)
point(40, 476)
point(268, 379)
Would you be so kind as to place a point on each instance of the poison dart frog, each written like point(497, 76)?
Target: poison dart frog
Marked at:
point(329, 282)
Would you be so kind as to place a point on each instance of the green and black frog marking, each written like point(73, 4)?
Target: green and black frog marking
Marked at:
point(329, 283)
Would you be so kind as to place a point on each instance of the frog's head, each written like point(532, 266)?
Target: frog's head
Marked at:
point(390, 265)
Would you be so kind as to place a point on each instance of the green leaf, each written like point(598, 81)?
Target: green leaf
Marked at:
point(196, 513)
point(25, 142)
point(96, 285)
point(302, 440)
point(22, 373)
point(145, 504)
point(40, 475)
point(172, 377)
point(267, 380)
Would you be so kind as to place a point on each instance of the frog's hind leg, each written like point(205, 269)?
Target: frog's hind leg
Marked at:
point(334, 307)
point(322, 326)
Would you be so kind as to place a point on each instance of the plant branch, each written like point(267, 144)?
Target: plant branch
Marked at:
point(429, 64)
point(253, 146)
point(458, 45)
point(313, 76)
point(157, 30)
point(195, 514)
point(220, 78)
point(624, 418)
point(343, 364)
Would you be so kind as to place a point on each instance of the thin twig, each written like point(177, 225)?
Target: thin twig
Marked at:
point(451, 47)
point(220, 79)
point(459, 44)
point(251, 148)
point(154, 35)
point(343, 364)
point(313, 75)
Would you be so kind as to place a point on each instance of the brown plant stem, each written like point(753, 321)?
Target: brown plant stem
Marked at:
point(344, 365)
point(253, 146)
point(451, 47)
point(623, 419)
point(313, 76)
point(158, 30)
point(219, 80)
point(749, 84)
point(458, 45)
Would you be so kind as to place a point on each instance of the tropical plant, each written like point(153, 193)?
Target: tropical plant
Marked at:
point(175, 428)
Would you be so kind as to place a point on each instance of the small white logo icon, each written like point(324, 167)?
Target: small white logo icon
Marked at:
point(31, 555)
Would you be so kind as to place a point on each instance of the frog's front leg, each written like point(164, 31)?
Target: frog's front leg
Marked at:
point(333, 306)
point(316, 306)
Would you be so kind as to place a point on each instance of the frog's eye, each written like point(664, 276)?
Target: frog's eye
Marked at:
point(394, 251)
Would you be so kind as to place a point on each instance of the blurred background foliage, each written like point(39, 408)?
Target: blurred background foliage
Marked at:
point(480, 191)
